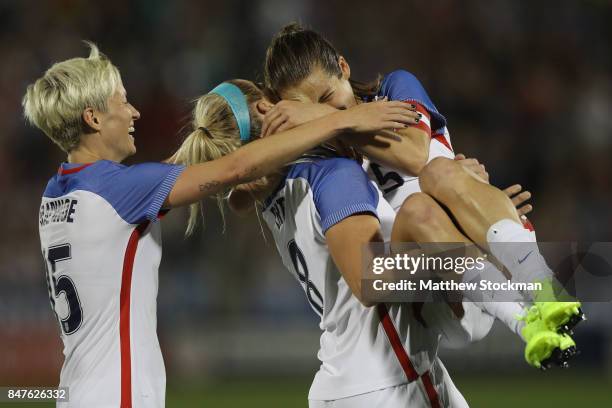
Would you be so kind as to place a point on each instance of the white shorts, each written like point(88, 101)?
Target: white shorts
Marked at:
point(409, 395)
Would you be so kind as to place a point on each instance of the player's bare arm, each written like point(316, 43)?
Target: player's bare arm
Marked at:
point(346, 241)
point(405, 149)
point(262, 157)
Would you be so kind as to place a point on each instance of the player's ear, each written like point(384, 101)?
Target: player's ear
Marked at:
point(344, 67)
point(263, 106)
point(91, 119)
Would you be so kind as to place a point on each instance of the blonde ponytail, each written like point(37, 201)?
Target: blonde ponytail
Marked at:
point(215, 134)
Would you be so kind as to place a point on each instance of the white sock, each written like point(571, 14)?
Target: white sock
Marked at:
point(516, 248)
point(507, 311)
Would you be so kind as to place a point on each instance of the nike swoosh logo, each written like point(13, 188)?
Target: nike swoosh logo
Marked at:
point(520, 261)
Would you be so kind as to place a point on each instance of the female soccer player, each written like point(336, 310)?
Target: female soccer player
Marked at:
point(98, 218)
point(321, 211)
point(313, 206)
point(302, 65)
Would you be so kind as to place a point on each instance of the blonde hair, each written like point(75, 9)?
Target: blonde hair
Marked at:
point(56, 101)
point(215, 134)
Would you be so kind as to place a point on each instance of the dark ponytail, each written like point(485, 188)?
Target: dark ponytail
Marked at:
point(295, 52)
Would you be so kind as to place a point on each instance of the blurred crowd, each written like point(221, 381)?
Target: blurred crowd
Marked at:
point(526, 88)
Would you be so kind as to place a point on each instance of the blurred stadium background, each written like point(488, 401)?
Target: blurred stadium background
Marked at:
point(526, 86)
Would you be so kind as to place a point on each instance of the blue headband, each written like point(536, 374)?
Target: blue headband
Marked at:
point(238, 103)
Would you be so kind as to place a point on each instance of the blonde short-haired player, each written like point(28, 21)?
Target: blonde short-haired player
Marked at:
point(99, 228)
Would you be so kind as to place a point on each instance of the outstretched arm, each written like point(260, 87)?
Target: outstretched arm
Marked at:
point(405, 148)
point(262, 157)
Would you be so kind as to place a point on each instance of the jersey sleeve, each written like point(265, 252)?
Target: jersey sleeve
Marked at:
point(138, 192)
point(341, 188)
point(401, 85)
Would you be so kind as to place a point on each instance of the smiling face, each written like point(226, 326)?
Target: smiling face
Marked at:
point(116, 126)
point(322, 87)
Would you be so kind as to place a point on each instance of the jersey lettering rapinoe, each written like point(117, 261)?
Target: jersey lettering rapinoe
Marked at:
point(101, 245)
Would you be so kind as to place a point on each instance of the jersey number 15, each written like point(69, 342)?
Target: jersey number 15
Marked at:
point(63, 284)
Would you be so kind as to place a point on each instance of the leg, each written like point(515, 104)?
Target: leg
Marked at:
point(475, 205)
point(421, 219)
point(487, 216)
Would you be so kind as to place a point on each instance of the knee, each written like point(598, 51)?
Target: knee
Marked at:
point(440, 175)
point(417, 210)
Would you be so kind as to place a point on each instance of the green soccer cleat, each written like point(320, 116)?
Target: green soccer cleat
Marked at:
point(559, 316)
point(545, 347)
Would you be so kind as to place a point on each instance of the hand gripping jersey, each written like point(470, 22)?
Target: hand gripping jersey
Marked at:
point(102, 248)
point(403, 86)
point(362, 349)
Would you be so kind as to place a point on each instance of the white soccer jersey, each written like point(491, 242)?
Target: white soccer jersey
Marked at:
point(102, 249)
point(396, 186)
point(362, 349)
point(401, 85)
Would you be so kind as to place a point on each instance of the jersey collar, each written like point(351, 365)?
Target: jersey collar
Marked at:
point(69, 168)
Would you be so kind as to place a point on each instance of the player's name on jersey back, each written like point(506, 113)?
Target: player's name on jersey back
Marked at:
point(60, 210)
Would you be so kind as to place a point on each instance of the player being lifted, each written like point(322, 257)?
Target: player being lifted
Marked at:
point(321, 212)
point(302, 65)
point(98, 221)
point(318, 210)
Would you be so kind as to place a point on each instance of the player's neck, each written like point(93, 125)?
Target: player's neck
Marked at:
point(91, 150)
point(82, 154)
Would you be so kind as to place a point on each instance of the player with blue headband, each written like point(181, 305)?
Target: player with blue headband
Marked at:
point(231, 115)
point(238, 104)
